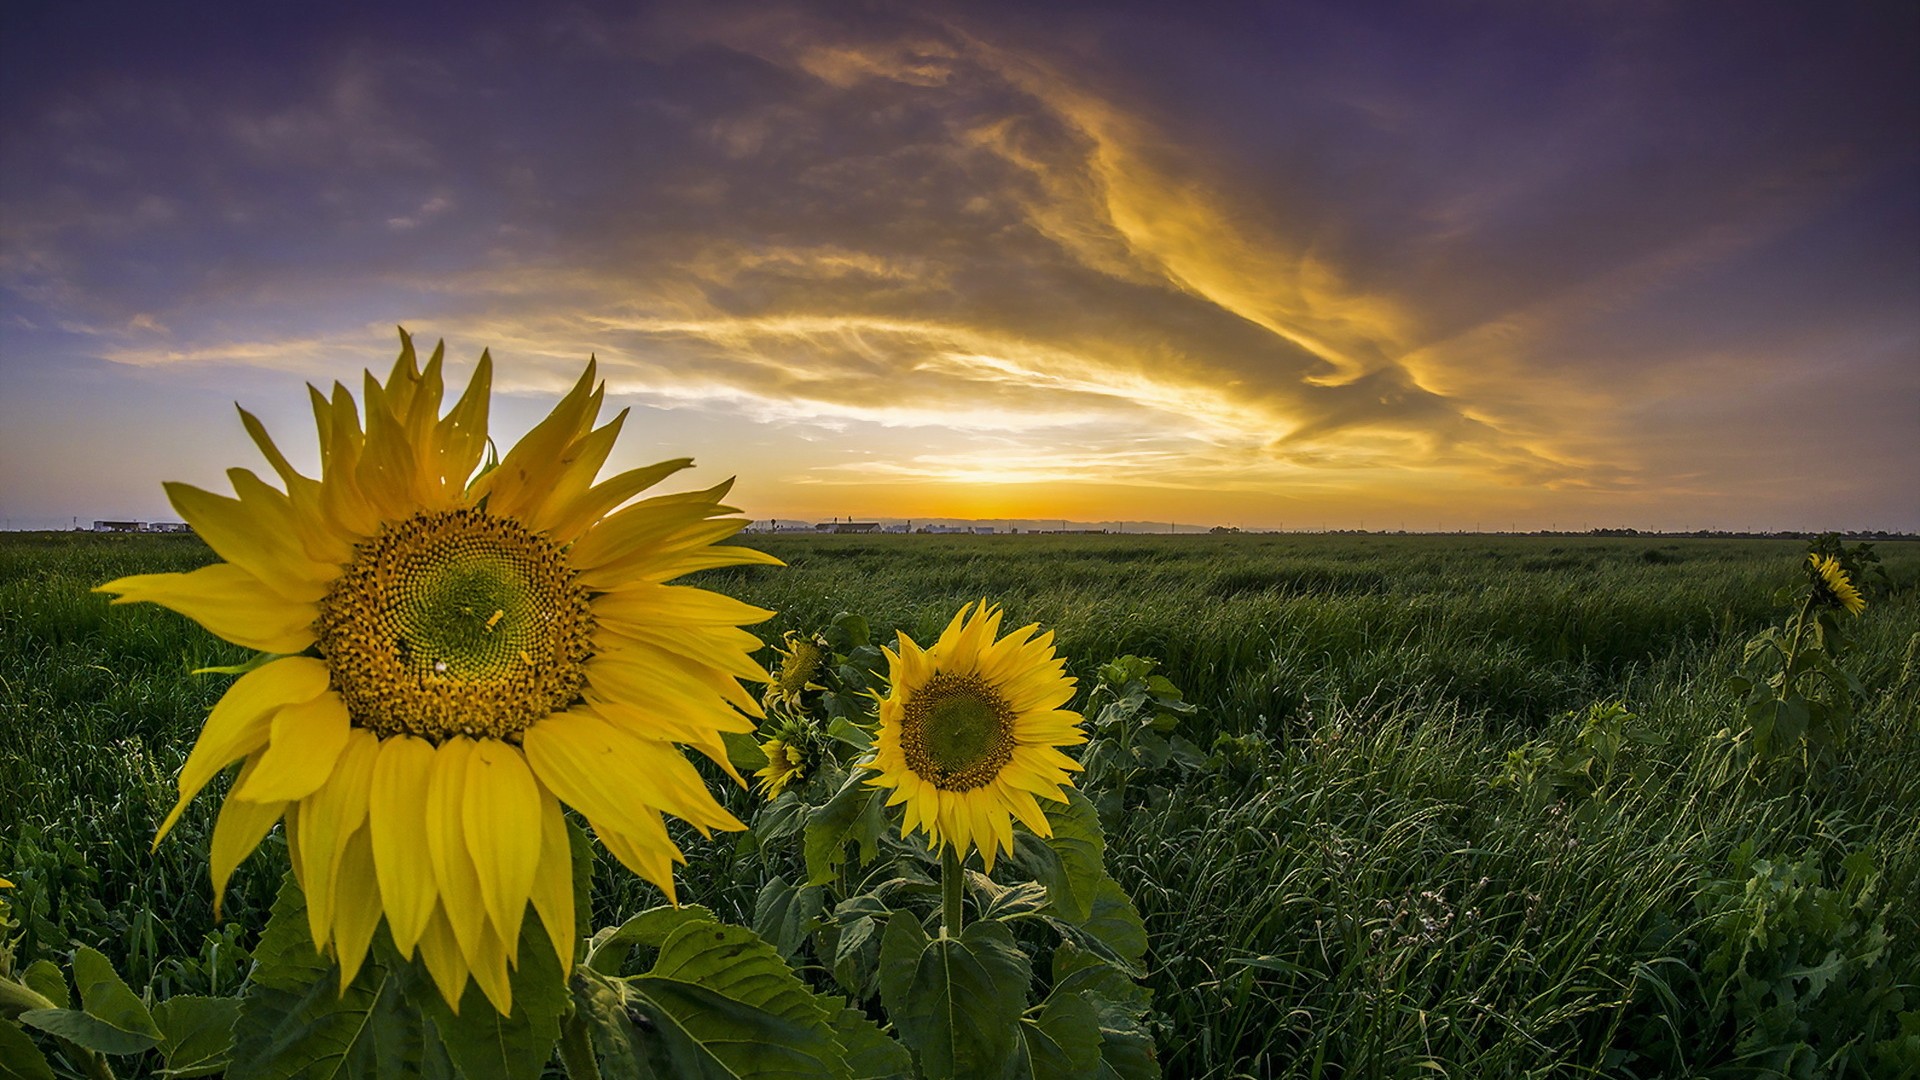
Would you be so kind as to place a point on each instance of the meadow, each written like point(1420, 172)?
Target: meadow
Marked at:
point(1406, 831)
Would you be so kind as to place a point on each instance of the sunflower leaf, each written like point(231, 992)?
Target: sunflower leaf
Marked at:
point(197, 1033)
point(723, 1004)
point(855, 814)
point(1072, 862)
point(20, 1059)
point(956, 1001)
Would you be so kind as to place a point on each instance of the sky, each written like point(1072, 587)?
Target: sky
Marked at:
point(1446, 265)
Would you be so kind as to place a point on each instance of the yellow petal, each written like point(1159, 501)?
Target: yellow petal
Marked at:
point(327, 820)
point(648, 526)
point(453, 872)
point(397, 817)
point(240, 722)
point(463, 431)
point(579, 463)
point(650, 853)
point(615, 778)
point(570, 520)
point(305, 744)
point(490, 970)
point(501, 813)
point(677, 605)
point(518, 486)
point(356, 906)
point(445, 962)
point(553, 881)
point(238, 830)
point(243, 533)
point(226, 600)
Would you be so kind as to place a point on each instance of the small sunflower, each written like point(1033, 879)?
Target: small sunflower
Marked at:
point(1831, 586)
point(452, 658)
point(801, 659)
point(786, 765)
point(969, 730)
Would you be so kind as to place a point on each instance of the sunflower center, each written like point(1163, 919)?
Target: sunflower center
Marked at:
point(957, 732)
point(455, 623)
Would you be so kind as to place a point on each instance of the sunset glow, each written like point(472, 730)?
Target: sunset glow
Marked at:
point(1319, 267)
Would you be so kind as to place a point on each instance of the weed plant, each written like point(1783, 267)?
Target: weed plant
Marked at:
point(1353, 885)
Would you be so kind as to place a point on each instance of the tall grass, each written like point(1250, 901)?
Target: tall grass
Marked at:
point(1350, 894)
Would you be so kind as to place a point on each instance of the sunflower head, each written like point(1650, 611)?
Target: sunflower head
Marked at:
point(1831, 586)
point(453, 657)
point(802, 658)
point(970, 730)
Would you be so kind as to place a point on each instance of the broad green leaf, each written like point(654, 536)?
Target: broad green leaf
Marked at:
point(957, 1002)
point(1064, 1040)
point(1126, 1046)
point(104, 997)
point(482, 1044)
point(619, 1050)
point(294, 1019)
point(871, 1053)
point(20, 1059)
point(743, 752)
point(727, 1005)
point(196, 1033)
point(43, 977)
point(1071, 863)
point(781, 818)
point(1113, 930)
point(856, 813)
point(87, 1031)
point(785, 915)
point(649, 929)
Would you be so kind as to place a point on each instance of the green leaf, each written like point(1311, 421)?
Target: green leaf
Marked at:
point(106, 998)
point(956, 1001)
point(1071, 863)
point(650, 929)
point(87, 1032)
point(1112, 930)
point(196, 1033)
point(43, 977)
point(871, 1053)
point(724, 1004)
point(482, 1044)
point(20, 1059)
point(856, 813)
point(1126, 1046)
point(785, 915)
point(743, 752)
point(619, 1050)
point(295, 1021)
point(1064, 1040)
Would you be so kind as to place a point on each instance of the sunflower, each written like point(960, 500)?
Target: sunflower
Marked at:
point(450, 660)
point(1831, 586)
point(786, 764)
point(800, 660)
point(969, 730)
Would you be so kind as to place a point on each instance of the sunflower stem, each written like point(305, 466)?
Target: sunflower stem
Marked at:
point(952, 877)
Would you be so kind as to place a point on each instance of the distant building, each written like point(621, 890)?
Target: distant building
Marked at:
point(983, 530)
point(943, 529)
point(119, 526)
point(170, 527)
point(897, 529)
point(838, 527)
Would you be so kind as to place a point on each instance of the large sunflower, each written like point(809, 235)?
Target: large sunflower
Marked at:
point(969, 730)
point(451, 660)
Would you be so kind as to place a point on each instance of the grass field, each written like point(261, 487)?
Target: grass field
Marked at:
point(1364, 880)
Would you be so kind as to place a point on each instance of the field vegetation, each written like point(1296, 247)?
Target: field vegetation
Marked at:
point(1387, 805)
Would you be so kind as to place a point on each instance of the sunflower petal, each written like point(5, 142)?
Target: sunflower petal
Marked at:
point(241, 721)
point(306, 742)
point(446, 833)
point(328, 820)
point(501, 814)
point(396, 810)
point(228, 601)
point(553, 881)
point(356, 906)
point(237, 831)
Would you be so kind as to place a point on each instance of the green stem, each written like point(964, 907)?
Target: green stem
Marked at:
point(952, 878)
point(1787, 674)
point(576, 1048)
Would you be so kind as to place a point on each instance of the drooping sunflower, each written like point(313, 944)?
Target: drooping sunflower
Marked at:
point(792, 752)
point(451, 658)
point(1832, 587)
point(801, 658)
point(970, 730)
